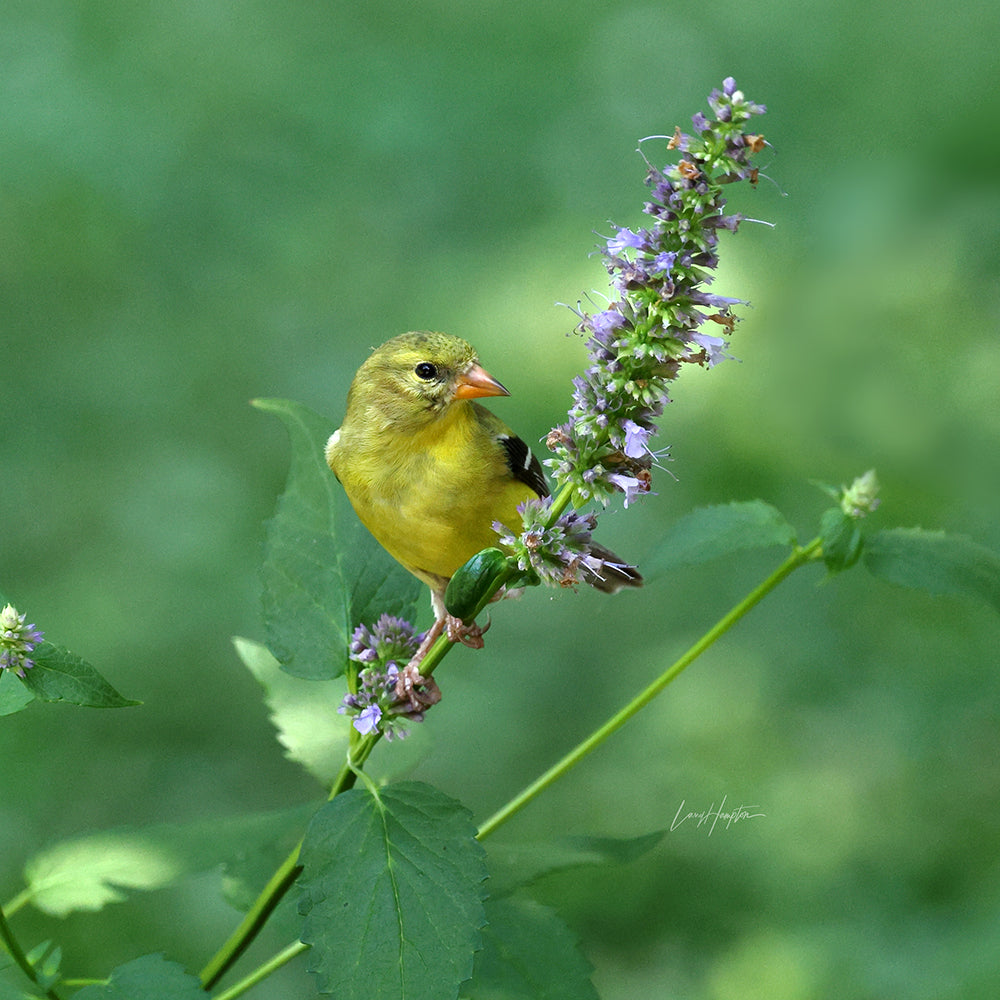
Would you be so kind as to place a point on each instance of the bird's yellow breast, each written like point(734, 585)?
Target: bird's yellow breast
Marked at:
point(430, 497)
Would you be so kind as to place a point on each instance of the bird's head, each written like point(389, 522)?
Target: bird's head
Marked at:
point(415, 377)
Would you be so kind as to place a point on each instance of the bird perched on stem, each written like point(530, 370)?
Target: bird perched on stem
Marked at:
point(428, 470)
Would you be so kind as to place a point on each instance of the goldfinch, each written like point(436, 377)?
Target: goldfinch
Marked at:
point(428, 470)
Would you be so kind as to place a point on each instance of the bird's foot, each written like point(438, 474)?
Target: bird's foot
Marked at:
point(415, 691)
point(468, 635)
point(411, 686)
point(419, 692)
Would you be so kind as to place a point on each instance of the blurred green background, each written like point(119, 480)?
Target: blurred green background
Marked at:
point(204, 202)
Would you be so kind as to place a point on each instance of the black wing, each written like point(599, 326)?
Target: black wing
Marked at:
point(523, 464)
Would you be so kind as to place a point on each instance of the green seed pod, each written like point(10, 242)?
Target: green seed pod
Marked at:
point(474, 583)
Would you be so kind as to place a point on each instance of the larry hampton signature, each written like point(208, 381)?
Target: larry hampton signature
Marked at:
point(712, 815)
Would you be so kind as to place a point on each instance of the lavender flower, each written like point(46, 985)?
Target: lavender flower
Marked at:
point(380, 650)
point(16, 641)
point(367, 719)
point(639, 344)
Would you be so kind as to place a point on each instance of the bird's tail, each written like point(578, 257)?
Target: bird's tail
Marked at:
point(608, 572)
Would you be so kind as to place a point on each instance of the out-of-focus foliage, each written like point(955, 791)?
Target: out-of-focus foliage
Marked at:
point(203, 203)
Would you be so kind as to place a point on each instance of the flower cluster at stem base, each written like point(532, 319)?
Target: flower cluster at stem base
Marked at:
point(558, 553)
point(381, 651)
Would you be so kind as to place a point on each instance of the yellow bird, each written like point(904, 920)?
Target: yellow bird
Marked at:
point(428, 470)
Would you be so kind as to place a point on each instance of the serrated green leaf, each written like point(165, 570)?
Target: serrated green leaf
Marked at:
point(59, 675)
point(86, 873)
point(514, 866)
point(304, 712)
point(936, 562)
point(392, 890)
point(14, 694)
point(323, 572)
point(528, 953)
point(151, 977)
point(710, 532)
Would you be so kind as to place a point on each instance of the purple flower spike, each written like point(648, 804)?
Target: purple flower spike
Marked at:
point(640, 343)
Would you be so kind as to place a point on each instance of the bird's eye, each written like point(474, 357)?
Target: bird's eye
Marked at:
point(426, 371)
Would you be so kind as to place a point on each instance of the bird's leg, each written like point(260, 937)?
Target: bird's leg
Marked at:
point(471, 635)
point(411, 686)
point(422, 692)
point(411, 681)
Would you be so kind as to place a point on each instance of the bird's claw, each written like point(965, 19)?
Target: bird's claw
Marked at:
point(415, 690)
point(467, 635)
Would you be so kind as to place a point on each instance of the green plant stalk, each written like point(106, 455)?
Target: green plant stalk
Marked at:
point(285, 876)
point(13, 948)
point(263, 971)
point(799, 557)
point(280, 882)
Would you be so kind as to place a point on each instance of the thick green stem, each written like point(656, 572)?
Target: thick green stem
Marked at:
point(281, 881)
point(559, 503)
point(799, 557)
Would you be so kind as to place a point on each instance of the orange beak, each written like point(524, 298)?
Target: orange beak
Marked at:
point(477, 382)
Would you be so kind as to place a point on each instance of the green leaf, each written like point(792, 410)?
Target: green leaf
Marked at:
point(936, 562)
point(710, 532)
point(528, 953)
point(86, 873)
point(323, 572)
point(151, 977)
point(304, 712)
point(517, 865)
point(14, 694)
point(59, 675)
point(392, 890)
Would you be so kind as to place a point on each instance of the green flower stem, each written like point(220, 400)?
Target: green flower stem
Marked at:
point(263, 971)
point(799, 557)
point(560, 503)
point(13, 948)
point(255, 918)
point(281, 881)
point(17, 902)
point(361, 748)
